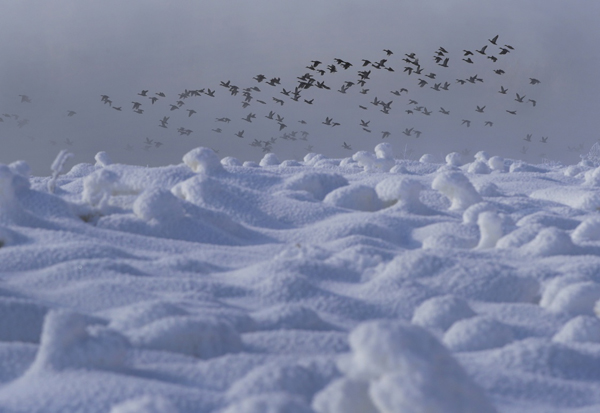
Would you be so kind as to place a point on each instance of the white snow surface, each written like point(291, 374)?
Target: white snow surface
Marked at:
point(367, 284)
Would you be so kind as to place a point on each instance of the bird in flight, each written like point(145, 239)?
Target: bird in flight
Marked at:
point(240, 134)
point(489, 123)
point(528, 137)
point(25, 99)
point(345, 146)
point(191, 112)
point(503, 90)
point(512, 112)
point(467, 122)
point(520, 98)
point(544, 139)
point(533, 81)
point(444, 111)
point(71, 113)
point(480, 109)
point(385, 134)
point(493, 40)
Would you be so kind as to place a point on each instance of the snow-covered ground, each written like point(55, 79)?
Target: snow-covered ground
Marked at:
point(358, 285)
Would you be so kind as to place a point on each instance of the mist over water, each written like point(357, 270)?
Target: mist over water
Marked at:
point(65, 55)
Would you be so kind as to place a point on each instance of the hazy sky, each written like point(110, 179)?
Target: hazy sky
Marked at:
point(65, 54)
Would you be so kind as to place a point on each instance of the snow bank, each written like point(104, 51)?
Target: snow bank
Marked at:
point(457, 188)
point(406, 369)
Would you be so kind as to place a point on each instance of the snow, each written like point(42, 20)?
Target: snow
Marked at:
point(366, 284)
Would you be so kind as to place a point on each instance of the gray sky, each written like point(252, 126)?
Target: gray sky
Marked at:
point(64, 54)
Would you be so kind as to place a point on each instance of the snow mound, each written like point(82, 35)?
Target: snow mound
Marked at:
point(578, 197)
point(550, 241)
point(454, 159)
point(357, 197)
point(457, 188)
point(318, 184)
point(290, 316)
point(270, 159)
point(345, 395)
point(577, 298)
point(442, 312)
point(68, 341)
point(98, 188)
point(145, 404)
point(270, 403)
point(588, 230)
point(382, 160)
point(581, 329)
point(158, 204)
point(428, 158)
point(139, 314)
point(102, 159)
point(231, 161)
point(199, 337)
point(203, 160)
point(405, 191)
point(7, 192)
point(479, 167)
point(274, 378)
point(490, 228)
point(407, 370)
point(20, 320)
point(477, 333)
point(496, 163)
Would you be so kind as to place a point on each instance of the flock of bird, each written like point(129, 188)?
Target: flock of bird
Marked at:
point(266, 96)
